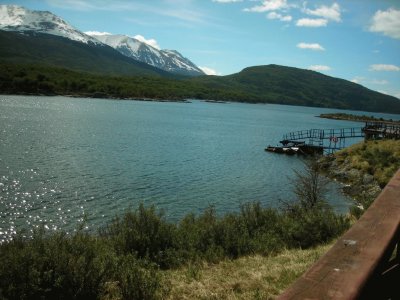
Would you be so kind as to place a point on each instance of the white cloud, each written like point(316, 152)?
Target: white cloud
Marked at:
point(379, 82)
point(330, 13)
point(269, 5)
point(313, 46)
point(287, 18)
point(208, 71)
point(166, 8)
point(72, 4)
point(226, 1)
point(383, 67)
point(151, 42)
point(305, 22)
point(96, 33)
point(358, 79)
point(274, 15)
point(319, 68)
point(391, 93)
point(386, 22)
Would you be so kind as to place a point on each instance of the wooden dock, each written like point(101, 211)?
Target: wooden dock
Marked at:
point(378, 130)
point(317, 141)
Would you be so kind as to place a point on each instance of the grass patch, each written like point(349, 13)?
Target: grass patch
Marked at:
point(365, 168)
point(381, 159)
point(250, 277)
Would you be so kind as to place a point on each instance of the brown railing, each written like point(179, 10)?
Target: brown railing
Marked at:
point(365, 262)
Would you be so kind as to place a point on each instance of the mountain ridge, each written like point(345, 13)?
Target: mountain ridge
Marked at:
point(168, 60)
point(42, 52)
point(289, 85)
point(19, 19)
point(52, 50)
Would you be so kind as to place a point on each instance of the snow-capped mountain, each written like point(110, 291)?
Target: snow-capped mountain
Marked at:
point(169, 60)
point(18, 18)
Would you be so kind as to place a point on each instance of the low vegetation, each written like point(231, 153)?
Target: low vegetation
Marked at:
point(47, 80)
point(262, 84)
point(365, 168)
point(130, 257)
point(248, 277)
point(381, 159)
point(357, 118)
point(124, 261)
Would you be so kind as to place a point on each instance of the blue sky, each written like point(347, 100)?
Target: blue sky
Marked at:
point(357, 40)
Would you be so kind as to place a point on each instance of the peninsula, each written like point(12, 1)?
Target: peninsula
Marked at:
point(357, 118)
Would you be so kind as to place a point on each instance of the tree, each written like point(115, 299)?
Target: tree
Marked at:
point(309, 185)
point(310, 220)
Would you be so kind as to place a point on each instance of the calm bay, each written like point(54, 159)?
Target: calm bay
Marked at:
point(63, 159)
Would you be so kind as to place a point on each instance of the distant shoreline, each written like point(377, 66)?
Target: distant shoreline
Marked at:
point(356, 118)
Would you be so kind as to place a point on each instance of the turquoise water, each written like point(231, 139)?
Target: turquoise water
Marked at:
point(63, 158)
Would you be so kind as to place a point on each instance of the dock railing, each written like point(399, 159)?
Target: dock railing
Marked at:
point(365, 262)
point(322, 134)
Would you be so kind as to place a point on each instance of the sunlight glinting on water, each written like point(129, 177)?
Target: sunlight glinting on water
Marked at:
point(65, 161)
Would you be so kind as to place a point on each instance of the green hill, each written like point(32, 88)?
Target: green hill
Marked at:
point(51, 50)
point(45, 64)
point(293, 86)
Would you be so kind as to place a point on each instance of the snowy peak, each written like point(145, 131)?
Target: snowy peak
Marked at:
point(177, 60)
point(168, 60)
point(18, 18)
point(124, 44)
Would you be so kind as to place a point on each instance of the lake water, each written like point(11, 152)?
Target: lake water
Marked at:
point(63, 158)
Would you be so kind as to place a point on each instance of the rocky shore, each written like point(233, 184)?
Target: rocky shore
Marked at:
point(364, 169)
point(360, 186)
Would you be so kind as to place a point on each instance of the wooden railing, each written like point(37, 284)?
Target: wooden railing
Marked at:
point(365, 262)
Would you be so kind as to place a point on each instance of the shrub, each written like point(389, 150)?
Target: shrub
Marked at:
point(306, 228)
point(135, 279)
point(144, 233)
point(81, 266)
point(54, 266)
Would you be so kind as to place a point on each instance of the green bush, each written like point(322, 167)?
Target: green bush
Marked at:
point(144, 233)
point(81, 266)
point(53, 267)
point(311, 227)
point(136, 279)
